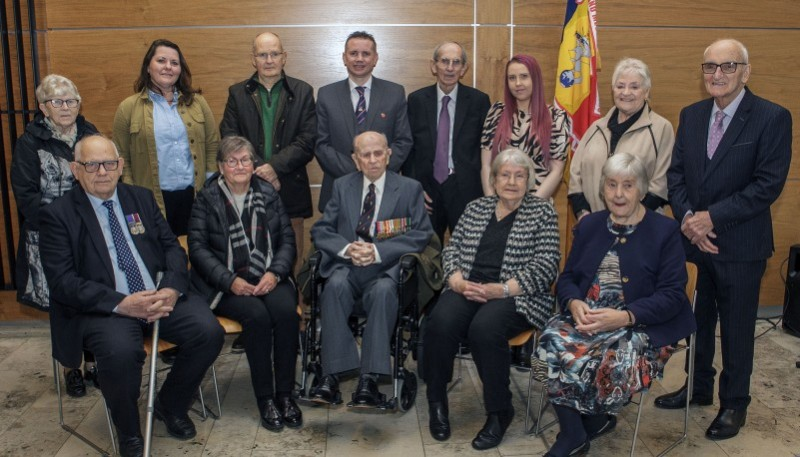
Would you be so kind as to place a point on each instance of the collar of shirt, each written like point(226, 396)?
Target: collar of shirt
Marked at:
point(354, 93)
point(453, 95)
point(158, 98)
point(729, 111)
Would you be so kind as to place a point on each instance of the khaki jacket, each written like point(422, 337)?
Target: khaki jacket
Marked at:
point(135, 140)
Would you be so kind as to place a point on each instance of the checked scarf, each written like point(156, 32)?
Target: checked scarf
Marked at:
point(249, 244)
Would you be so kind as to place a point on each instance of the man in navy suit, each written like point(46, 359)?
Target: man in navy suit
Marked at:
point(729, 164)
point(111, 279)
point(446, 123)
point(361, 245)
point(355, 105)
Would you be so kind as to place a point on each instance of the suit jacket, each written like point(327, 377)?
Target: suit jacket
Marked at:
point(78, 266)
point(738, 185)
point(471, 108)
point(402, 197)
point(652, 268)
point(336, 128)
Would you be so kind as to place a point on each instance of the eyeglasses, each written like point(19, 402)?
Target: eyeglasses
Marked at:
point(232, 162)
point(58, 103)
point(447, 62)
point(266, 55)
point(726, 67)
point(93, 167)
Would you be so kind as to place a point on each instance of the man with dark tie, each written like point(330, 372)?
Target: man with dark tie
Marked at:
point(359, 103)
point(374, 217)
point(114, 267)
point(729, 164)
point(446, 123)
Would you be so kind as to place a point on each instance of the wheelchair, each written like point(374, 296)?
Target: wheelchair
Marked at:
point(404, 338)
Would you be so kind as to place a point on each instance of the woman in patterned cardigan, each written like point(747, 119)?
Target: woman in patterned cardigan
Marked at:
point(499, 267)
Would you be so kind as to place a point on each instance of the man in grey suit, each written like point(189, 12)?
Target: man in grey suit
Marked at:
point(729, 164)
point(355, 105)
point(361, 245)
point(446, 123)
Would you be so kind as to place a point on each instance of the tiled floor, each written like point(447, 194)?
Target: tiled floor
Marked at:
point(29, 424)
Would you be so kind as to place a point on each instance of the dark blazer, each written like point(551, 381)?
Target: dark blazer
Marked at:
point(294, 134)
point(336, 128)
point(652, 267)
point(78, 266)
point(471, 108)
point(737, 186)
point(209, 234)
point(402, 197)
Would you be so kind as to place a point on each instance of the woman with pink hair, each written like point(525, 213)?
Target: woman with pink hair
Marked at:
point(523, 120)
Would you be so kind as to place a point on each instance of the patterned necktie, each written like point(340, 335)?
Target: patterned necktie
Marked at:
point(441, 164)
point(125, 260)
point(361, 109)
point(716, 134)
point(367, 213)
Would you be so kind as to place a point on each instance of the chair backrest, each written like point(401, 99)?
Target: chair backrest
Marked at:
point(691, 283)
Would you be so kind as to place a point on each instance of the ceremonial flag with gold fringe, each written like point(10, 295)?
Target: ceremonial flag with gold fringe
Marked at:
point(578, 63)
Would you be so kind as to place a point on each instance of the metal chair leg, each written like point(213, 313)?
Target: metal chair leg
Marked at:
point(638, 418)
point(67, 428)
point(459, 357)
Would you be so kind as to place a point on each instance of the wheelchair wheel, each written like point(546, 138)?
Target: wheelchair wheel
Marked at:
point(408, 391)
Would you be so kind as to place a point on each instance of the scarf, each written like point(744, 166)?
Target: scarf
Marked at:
point(617, 129)
point(69, 138)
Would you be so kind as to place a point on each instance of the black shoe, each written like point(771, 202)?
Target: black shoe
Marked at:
point(237, 347)
point(73, 379)
point(271, 418)
point(168, 356)
point(131, 446)
point(367, 392)
point(180, 427)
point(327, 391)
point(583, 449)
point(677, 399)
point(292, 416)
point(606, 428)
point(90, 375)
point(726, 424)
point(439, 423)
point(493, 430)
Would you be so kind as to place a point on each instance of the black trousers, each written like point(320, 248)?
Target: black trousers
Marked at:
point(487, 327)
point(117, 343)
point(270, 324)
point(178, 206)
point(448, 205)
point(727, 291)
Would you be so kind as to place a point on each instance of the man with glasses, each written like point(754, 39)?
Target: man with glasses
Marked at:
point(276, 114)
point(374, 217)
point(350, 107)
point(729, 164)
point(114, 267)
point(446, 123)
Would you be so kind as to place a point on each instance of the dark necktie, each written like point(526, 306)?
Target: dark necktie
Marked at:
point(125, 260)
point(367, 213)
point(361, 109)
point(441, 164)
point(716, 133)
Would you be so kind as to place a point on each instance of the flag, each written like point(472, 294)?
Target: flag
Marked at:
point(578, 63)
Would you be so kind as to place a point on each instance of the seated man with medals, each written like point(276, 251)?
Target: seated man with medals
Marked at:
point(374, 216)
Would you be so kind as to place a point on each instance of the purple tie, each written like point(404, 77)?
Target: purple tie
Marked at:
point(441, 164)
point(716, 133)
point(361, 109)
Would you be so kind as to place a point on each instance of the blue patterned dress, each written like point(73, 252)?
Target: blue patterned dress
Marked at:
point(598, 374)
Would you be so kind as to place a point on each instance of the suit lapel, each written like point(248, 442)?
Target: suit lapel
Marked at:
point(391, 195)
point(353, 202)
point(89, 219)
point(733, 131)
point(346, 105)
point(375, 102)
point(129, 206)
point(431, 106)
point(462, 105)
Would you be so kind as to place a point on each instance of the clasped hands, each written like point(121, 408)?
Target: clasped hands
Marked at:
point(473, 291)
point(149, 305)
point(361, 253)
point(264, 286)
point(591, 321)
point(698, 228)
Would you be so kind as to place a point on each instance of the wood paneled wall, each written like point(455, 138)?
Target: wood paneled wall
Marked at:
point(99, 44)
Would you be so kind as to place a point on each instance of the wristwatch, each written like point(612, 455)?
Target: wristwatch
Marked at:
point(506, 291)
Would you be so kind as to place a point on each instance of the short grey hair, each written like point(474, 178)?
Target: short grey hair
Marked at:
point(513, 156)
point(439, 46)
point(635, 66)
point(233, 143)
point(623, 164)
point(55, 86)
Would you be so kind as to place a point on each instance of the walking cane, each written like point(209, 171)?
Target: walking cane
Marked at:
point(151, 388)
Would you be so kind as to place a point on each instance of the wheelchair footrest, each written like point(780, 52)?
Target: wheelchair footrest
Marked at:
point(381, 404)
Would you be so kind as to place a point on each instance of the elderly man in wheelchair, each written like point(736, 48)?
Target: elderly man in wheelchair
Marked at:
point(373, 218)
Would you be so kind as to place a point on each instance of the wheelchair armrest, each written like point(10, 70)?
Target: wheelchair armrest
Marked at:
point(408, 262)
point(314, 260)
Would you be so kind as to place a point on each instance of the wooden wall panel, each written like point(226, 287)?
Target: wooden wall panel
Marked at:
point(493, 50)
point(190, 13)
